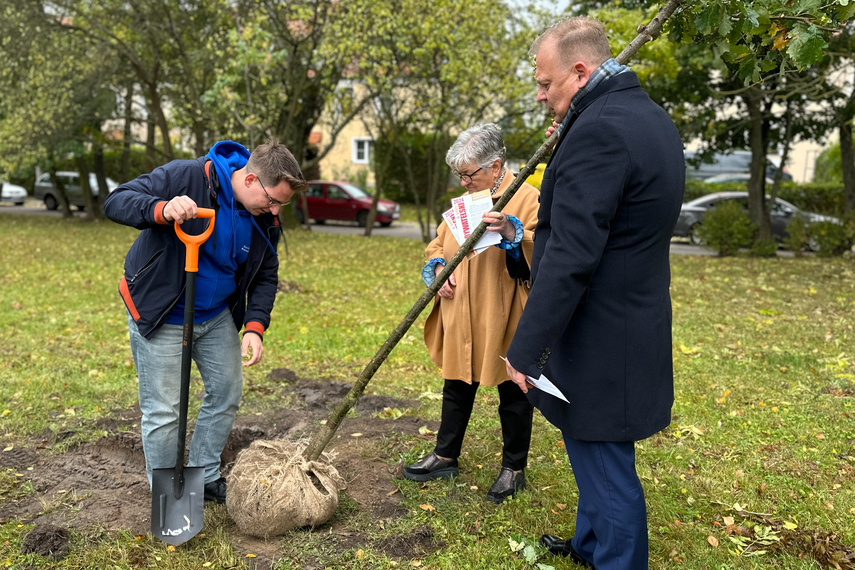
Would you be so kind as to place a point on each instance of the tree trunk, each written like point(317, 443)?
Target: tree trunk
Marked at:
point(847, 158)
point(757, 210)
point(62, 196)
point(101, 176)
point(85, 189)
point(125, 164)
point(162, 124)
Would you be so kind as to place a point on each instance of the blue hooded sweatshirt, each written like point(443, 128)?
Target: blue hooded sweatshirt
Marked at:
point(227, 249)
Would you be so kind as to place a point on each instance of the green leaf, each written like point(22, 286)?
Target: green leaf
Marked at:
point(806, 45)
point(709, 19)
point(529, 554)
point(807, 6)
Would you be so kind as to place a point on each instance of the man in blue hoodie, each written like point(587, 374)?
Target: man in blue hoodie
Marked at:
point(235, 288)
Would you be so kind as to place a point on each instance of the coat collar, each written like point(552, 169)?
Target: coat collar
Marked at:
point(621, 82)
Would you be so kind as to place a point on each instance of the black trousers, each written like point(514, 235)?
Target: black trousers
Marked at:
point(515, 413)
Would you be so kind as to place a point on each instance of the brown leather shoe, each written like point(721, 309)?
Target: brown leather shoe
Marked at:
point(507, 484)
point(559, 547)
point(431, 467)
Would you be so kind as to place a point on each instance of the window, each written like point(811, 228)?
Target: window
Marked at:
point(361, 151)
point(315, 191)
point(336, 193)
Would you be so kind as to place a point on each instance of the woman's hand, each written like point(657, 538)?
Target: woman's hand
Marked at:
point(498, 222)
point(447, 289)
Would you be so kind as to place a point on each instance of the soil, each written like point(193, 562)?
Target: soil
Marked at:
point(103, 483)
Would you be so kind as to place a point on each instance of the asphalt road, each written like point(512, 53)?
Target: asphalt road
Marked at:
point(397, 229)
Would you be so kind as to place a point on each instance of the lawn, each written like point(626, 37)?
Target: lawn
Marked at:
point(755, 471)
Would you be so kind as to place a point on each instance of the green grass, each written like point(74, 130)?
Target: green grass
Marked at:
point(765, 385)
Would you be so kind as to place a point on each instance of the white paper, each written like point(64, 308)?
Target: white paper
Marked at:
point(544, 384)
point(465, 215)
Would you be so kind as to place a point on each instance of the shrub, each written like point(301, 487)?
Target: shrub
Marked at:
point(829, 239)
point(764, 248)
point(727, 228)
point(797, 236)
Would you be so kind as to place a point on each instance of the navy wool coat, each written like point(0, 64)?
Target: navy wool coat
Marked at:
point(598, 318)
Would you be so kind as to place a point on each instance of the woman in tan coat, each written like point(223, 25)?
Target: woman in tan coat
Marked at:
point(475, 314)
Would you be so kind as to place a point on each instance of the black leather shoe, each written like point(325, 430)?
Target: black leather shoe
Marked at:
point(431, 467)
point(507, 484)
point(216, 490)
point(559, 547)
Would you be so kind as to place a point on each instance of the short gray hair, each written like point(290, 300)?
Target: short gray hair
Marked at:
point(580, 37)
point(481, 145)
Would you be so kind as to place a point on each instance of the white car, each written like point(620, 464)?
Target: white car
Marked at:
point(13, 193)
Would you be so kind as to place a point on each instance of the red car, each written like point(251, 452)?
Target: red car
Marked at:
point(343, 201)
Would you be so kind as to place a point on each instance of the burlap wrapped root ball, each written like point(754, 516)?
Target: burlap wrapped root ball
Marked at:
point(272, 489)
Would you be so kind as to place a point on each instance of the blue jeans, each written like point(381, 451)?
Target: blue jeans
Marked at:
point(216, 352)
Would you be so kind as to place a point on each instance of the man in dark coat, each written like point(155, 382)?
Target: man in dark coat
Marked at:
point(598, 318)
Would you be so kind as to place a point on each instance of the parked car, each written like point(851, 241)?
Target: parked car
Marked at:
point(327, 200)
point(45, 191)
point(691, 214)
point(12, 193)
point(736, 161)
point(733, 177)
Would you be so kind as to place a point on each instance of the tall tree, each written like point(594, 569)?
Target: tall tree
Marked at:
point(56, 95)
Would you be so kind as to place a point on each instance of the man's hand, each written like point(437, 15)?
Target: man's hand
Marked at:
point(179, 209)
point(518, 378)
point(447, 289)
point(251, 349)
point(551, 129)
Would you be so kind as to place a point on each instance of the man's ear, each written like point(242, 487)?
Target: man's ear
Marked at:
point(583, 72)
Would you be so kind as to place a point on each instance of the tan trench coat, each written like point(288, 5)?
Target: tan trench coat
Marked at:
point(466, 335)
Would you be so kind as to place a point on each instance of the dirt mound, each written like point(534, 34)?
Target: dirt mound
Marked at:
point(103, 483)
point(48, 541)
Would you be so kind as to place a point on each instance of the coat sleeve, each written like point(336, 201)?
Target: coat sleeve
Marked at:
point(525, 208)
point(262, 294)
point(589, 174)
point(139, 203)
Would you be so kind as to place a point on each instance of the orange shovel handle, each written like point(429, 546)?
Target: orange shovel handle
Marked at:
point(193, 242)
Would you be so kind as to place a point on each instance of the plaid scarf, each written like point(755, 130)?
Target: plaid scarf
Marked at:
point(607, 70)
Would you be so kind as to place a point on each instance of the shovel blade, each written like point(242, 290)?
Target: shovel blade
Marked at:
point(175, 520)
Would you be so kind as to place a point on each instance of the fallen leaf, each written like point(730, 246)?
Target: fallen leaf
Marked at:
point(728, 520)
point(393, 491)
point(712, 540)
point(357, 434)
point(427, 507)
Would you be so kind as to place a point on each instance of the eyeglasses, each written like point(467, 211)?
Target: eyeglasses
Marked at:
point(270, 201)
point(467, 178)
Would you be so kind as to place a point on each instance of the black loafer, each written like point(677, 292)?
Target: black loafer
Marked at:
point(431, 467)
point(216, 490)
point(560, 547)
point(507, 484)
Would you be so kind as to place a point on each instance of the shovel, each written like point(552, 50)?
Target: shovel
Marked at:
point(177, 493)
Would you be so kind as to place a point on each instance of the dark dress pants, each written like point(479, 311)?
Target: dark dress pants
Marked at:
point(515, 413)
point(611, 519)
